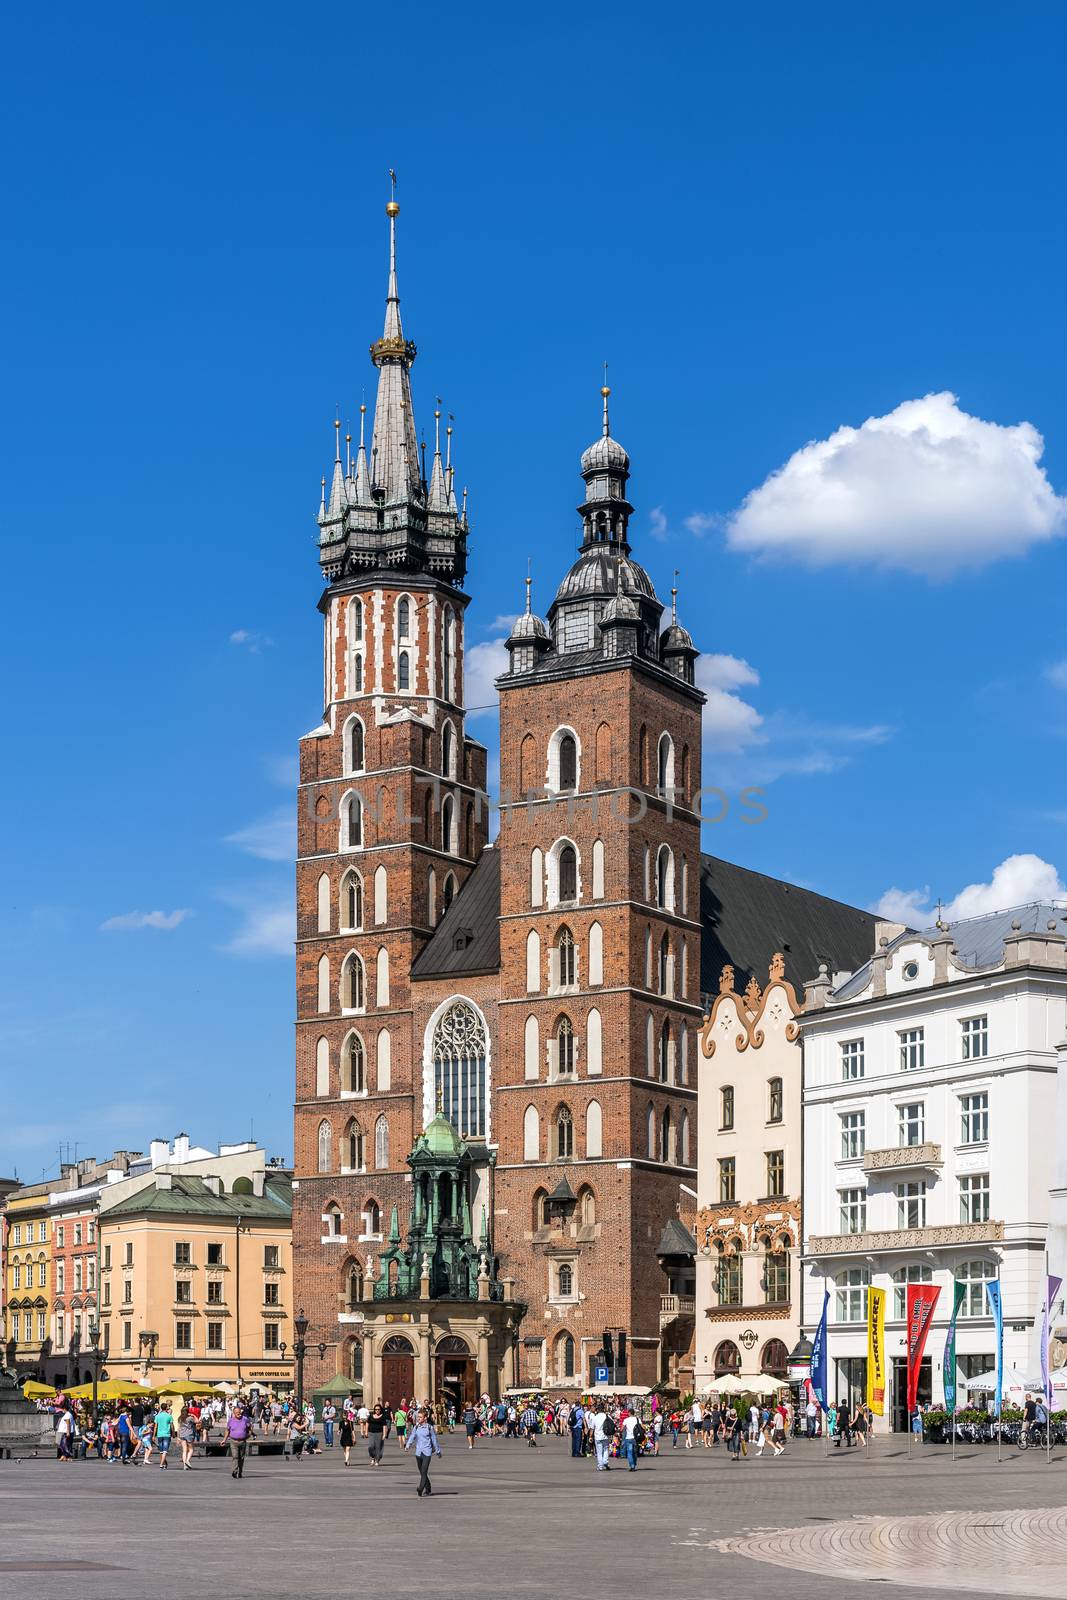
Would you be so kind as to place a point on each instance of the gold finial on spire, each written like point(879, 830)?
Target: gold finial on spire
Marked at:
point(362, 419)
point(337, 437)
point(348, 454)
point(448, 441)
point(437, 426)
point(392, 209)
point(529, 582)
point(674, 598)
point(605, 391)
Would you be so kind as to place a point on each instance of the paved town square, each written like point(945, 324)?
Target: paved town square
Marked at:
point(533, 1522)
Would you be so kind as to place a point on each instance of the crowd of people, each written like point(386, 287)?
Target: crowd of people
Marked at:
point(606, 1430)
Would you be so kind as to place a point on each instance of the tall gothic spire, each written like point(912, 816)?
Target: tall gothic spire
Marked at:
point(438, 500)
point(394, 451)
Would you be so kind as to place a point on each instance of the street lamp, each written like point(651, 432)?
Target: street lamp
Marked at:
point(94, 1343)
point(188, 1374)
point(300, 1323)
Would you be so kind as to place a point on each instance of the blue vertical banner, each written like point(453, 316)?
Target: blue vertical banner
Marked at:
point(997, 1309)
point(818, 1354)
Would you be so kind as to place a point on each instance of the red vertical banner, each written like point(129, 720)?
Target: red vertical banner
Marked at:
point(922, 1298)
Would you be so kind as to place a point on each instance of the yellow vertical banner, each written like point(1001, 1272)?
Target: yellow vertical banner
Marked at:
point(876, 1351)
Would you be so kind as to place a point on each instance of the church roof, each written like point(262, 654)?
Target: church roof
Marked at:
point(467, 938)
point(745, 915)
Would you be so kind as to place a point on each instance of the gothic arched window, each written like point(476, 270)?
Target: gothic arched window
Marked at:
point(564, 1134)
point(354, 746)
point(459, 1052)
point(568, 873)
point(448, 843)
point(381, 1143)
point(353, 1065)
point(325, 1153)
point(565, 1047)
point(448, 893)
point(565, 958)
point(565, 1356)
point(403, 670)
point(446, 750)
point(352, 984)
point(353, 822)
point(352, 902)
point(403, 619)
point(568, 762)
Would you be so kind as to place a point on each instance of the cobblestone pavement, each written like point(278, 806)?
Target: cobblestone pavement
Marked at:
point(533, 1524)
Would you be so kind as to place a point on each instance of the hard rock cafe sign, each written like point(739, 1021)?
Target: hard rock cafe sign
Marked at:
point(748, 1338)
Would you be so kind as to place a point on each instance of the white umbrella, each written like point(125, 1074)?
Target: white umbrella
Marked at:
point(765, 1385)
point(728, 1384)
point(986, 1382)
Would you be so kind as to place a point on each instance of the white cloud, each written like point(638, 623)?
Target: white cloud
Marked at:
point(701, 522)
point(482, 664)
point(272, 838)
point(657, 523)
point(267, 927)
point(1018, 880)
point(164, 920)
point(251, 641)
point(1057, 674)
point(725, 672)
point(927, 488)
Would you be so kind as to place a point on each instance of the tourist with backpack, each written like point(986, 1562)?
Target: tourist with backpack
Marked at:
point(603, 1431)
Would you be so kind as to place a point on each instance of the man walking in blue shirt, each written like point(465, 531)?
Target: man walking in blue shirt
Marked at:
point(424, 1437)
point(577, 1429)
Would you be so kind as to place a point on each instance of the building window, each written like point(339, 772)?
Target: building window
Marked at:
point(352, 902)
point(727, 1178)
point(59, 1236)
point(912, 1049)
point(774, 1100)
point(853, 1135)
point(381, 1143)
point(565, 1280)
point(776, 1273)
point(665, 763)
point(901, 1278)
point(974, 1197)
point(354, 746)
point(726, 1107)
point(851, 1296)
point(127, 1259)
point(974, 1118)
point(565, 1357)
point(729, 1277)
point(325, 1142)
point(353, 1066)
point(271, 1256)
point(214, 1335)
point(353, 822)
point(354, 1148)
point(911, 1204)
point(127, 1335)
point(17, 1234)
point(975, 1031)
point(403, 671)
point(214, 1292)
point(459, 1051)
point(974, 1275)
point(332, 1223)
point(665, 1052)
point(568, 873)
point(214, 1254)
point(270, 1336)
point(564, 1134)
point(271, 1293)
point(775, 1174)
point(353, 990)
point(727, 1358)
point(568, 762)
point(565, 960)
point(565, 1048)
point(853, 1210)
point(107, 1291)
point(183, 1336)
point(403, 618)
point(183, 1292)
point(911, 1124)
point(183, 1253)
point(127, 1291)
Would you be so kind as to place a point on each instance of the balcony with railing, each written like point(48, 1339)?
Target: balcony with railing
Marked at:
point(904, 1157)
point(672, 1306)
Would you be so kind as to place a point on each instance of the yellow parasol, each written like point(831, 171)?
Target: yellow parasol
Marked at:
point(37, 1391)
point(187, 1391)
point(112, 1389)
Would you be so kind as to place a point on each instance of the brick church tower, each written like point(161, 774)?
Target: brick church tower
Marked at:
point(595, 1101)
point(389, 828)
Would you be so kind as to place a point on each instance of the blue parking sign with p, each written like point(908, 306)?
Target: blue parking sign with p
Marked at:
point(600, 1374)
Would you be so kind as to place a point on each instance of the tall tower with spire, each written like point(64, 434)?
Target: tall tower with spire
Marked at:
point(600, 1001)
point(389, 824)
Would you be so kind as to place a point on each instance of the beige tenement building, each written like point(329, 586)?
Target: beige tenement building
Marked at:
point(748, 1181)
point(196, 1275)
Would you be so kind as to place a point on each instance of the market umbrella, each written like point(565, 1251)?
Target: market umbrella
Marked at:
point(188, 1390)
point(727, 1384)
point(38, 1391)
point(112, 1389)
point(765, 1385)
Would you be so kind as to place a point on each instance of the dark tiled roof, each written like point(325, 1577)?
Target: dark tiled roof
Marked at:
point(746, 917)
point(191, 1194)
point(676, 1240)
point(467, 938)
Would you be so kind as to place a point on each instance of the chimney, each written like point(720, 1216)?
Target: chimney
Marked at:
point(258, 1179)
point(181, 1147)
point(164, 1180)
point(214, 1183)
point(888, 931)
point(158, 1152)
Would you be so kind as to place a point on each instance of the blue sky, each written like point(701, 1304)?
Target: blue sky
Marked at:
point(774, 223)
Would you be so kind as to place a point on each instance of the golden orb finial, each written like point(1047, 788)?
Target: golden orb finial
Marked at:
point(605, 391)
point(392, 209)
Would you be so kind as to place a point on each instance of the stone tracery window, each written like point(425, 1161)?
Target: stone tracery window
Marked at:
point(459, 1052)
